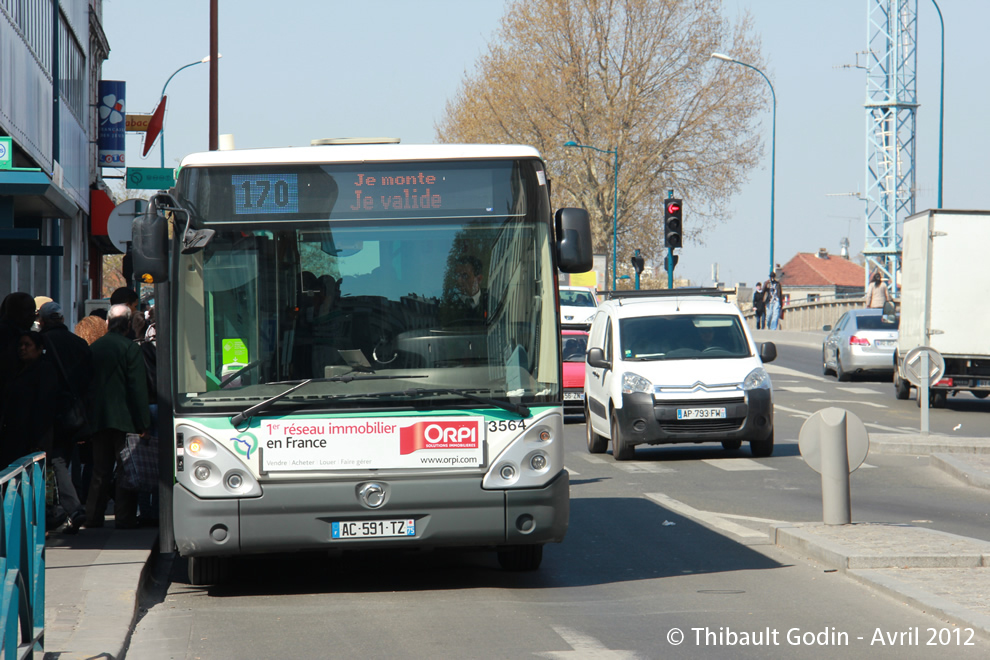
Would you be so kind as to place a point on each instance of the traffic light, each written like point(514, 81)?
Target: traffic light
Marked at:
point(672, 223)
point(638, 263)
point(666, 262)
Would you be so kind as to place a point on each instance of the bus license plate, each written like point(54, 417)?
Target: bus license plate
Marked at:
point(573, 396)
point(700, 413)
point(362, 529)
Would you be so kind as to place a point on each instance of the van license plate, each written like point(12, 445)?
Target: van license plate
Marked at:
point(983, 383)
point(700, 413)
point(573, 396)
point(361, 529)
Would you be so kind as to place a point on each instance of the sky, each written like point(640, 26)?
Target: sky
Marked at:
point(296, 70)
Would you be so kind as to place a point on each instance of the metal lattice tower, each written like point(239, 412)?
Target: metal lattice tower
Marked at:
point(891, 103)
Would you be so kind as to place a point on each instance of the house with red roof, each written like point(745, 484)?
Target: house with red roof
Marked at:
point(809, 277)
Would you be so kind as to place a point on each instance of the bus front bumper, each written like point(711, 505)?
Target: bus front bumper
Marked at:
point(448, 511)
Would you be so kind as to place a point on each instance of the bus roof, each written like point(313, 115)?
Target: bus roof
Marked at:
point(357, 153)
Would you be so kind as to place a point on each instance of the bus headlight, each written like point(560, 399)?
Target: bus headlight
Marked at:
point(213, 471)
point(533, 459)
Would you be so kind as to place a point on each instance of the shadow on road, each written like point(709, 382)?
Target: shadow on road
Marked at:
point(610, 540)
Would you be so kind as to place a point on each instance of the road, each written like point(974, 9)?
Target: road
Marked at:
point(673, 543)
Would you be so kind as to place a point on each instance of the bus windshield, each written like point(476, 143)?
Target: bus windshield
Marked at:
point(316, 284)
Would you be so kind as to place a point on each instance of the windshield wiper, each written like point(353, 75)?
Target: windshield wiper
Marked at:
point(517, 408)
point(259, 408)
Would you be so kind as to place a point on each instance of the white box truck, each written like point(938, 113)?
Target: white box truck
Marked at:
point(945, 281)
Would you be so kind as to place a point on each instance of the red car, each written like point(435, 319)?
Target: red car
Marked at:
point(573, 346)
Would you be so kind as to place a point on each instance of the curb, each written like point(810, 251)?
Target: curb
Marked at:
point(968, 473)
point(951, 551)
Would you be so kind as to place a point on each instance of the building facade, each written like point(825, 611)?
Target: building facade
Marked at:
point(51, 55)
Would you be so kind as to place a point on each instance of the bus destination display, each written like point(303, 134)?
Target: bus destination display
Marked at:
point(328, 192)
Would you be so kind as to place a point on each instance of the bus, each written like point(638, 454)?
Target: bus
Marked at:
point(358, 348)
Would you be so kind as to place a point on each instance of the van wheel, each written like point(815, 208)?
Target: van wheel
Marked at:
point(938, 398)
point(762, 448)
point(521, 557)
point(596, 443)
point(731, 445)
point(620, 450)
point(825, 370)
point(981, 395)
point(902, 388)
point(204, 571)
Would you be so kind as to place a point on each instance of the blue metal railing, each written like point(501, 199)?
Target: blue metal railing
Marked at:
point(22, 563)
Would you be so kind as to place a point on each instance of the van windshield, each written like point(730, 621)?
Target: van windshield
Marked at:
point(682, 337)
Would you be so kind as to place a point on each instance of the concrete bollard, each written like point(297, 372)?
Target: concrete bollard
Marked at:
point(834, 442)
point(836, 505)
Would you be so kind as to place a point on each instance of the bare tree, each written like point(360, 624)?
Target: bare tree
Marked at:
point(631, 77)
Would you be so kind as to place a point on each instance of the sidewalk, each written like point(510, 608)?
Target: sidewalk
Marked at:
point(939, 573)
point(91, 587)
point(93, 579)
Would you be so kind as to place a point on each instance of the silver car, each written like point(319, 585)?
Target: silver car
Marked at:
point(860, 342)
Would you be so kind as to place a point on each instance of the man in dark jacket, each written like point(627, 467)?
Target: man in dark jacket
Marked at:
point(119, 407)
point(73, 360)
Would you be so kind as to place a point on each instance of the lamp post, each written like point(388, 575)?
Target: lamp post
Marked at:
point(615, 201)
point(941, 103)
point(773, 140)
point(162, 134)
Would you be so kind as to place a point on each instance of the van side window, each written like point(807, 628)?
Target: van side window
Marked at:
point(608, 340)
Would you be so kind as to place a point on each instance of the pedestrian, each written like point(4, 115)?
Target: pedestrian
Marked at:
point(127, 296)
point(73, 360)
point(119, 406)
point(25, 418)
point(774, 299)
point(760, 307)
point(91, 328)
point(877, 293)
point(17, 313)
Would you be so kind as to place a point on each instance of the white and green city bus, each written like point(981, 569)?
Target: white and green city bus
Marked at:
point(358, 348)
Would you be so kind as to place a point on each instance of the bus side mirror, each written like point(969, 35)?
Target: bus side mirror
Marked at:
point(149, 245)
point(573, 230)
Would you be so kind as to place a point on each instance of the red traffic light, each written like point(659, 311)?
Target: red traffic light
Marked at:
point(673, 207)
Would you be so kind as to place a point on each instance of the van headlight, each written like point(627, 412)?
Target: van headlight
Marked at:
point(635, 383)
point(758, 379)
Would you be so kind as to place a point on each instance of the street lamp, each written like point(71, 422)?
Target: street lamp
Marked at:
point(941, 103)
point(615, 202)
point(162, 133)
point(773, 140)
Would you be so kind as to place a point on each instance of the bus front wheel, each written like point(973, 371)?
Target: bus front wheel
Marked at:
point(521, 557)
point(204, 571)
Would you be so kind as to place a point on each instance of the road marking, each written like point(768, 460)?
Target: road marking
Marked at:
point(794, 411)
point(707, 517)
point(592, 458)
point(585, 646)
point(794, 373)
point(862, 403)
point(800, 390)
point(652, 468)
point(736, 464)
point(571, 471)
point(858, 390)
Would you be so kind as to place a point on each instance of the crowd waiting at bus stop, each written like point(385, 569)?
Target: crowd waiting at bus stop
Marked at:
point(86, 398)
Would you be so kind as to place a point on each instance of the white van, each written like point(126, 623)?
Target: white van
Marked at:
point(675, 366)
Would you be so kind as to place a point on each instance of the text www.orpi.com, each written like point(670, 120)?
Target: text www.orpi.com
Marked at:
point(447, 460)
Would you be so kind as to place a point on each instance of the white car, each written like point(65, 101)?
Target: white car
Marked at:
point(675, 367)
point(578, 305)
